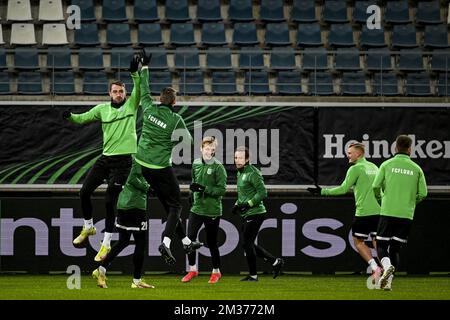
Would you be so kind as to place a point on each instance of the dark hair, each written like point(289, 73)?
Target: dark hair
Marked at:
point(243, 149)
point(403, 143)
point(359, 146)
point(168, 96)
point(117, 83)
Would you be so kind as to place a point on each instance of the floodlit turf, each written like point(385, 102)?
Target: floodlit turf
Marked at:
point(286, 287)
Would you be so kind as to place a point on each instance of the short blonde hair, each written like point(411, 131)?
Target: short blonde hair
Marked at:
point(358, 146)
point(209, 140)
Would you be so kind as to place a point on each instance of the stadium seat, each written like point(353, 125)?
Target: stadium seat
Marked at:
point(245, 34)
point(62, 83)
point(177, 11)
point(353, 83)
point(125, 77)
point(315, 59)
point(428, 12)
point(59, 58)
point(277, 34)
point(410, 60)
point(379, 59)
point(87, 35)
point(159, 81)
point(335, 12)
point(149, 34)
point(341, 35)
point(29, 83)
point(26, 58)
point(50, 10)
point(443, 84)
point(440, 60)
point(182, 34)
point(320, 83)
point(397, 11)
point(22, 34)
point(187, 58)
point(159, 59)
point(145, 11)
point(240, 10)
point(256, 82)
point(87, 9)
point(1, 35)
point(303, 11)
point(272, 11)
point(191, 83)
point(90, 59)
point(18, 10)
point(251, 58)
point(208, 11)
point(309, 35)
point(360, 14)
point(118, 34)
point(289, 83)
point(404, 36)
point(4, 83)
point(114, 11)
point(372, 38)
point(436, 36)
point(282, 59)
point(54, 34)
point(121, 57)
point(418, 84)
point(95, 83)
point(213, 34)
point(347, 59)
point(3, 64)
point(385, 84)
point(218, 58)
point(224, 83)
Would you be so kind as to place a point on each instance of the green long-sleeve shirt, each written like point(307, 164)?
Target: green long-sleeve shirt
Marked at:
point(134, 192)
point(360, 176)
point(213, 177)
point(118, 125)
point(403, 184)
point(251, 189)
point(160, 122)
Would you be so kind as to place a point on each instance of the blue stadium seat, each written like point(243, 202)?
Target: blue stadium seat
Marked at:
point(187, 58)
point(315, 59)
point(309, 35)
point(360, 14)
point(90, 59)
point(95, 82)
point(159, 80)
point(87, 9)
point(303, 11)
point(159, 59)
point(289, 83)
point(208, 11)
point(256, 82)
point(240, 10)
point(404, 36)
point(251, 58)
point(121, 57)
point(320, 83)
point(182, 34)
point(418, 84)
point(4, 83)
point(218, 58)
point(347, 59)
point(410, 60)
point(428, 12)
point(272, 11)
point(245, 34)
point(372, 38)
point(118, 34)
point(177, 10)
point(397, 11)
point(353, 83)
point(29, 83)
point(3, 64)
point(385, 84)
point(213, 34)
point(224, 83)
point(59, 58)
point(125, 77)
point(341, 35)
point(277, 34)
point(149, 34)
point(282, 59)
point(440, 60)
point(436, 36)
point(114, 11)
point(335, 12)
point(26, 59)
point(443, 84)
point(191, 83)
point(62, 83)
point(379, 59)
point(87, 35)
point(145, 11)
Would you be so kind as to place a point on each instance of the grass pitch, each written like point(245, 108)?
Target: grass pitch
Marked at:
point(286, 287)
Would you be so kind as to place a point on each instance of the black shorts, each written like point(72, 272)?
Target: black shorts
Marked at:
point(392, 228)
point(132, 220)
point(362, 227)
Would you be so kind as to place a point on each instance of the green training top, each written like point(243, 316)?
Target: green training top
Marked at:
point(118, 125)
point(360, 176)
point(134, 192)
point(251, 189)
point(160, 122)
point(213, 176)
point(403, 184)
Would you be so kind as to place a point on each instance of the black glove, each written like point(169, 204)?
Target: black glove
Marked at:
point(317, 190)
point(196, 187)
point(235, 209)
point(144, 58)
point(240, 208)
point(134, 63)
point(66, 114)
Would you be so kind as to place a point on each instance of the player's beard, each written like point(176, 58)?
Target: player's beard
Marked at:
point(117, 105)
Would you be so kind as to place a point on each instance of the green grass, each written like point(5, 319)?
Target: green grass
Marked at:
point(286, 287)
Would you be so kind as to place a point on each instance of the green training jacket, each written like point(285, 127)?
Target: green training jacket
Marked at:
point(134, 192)
point(251, 189)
